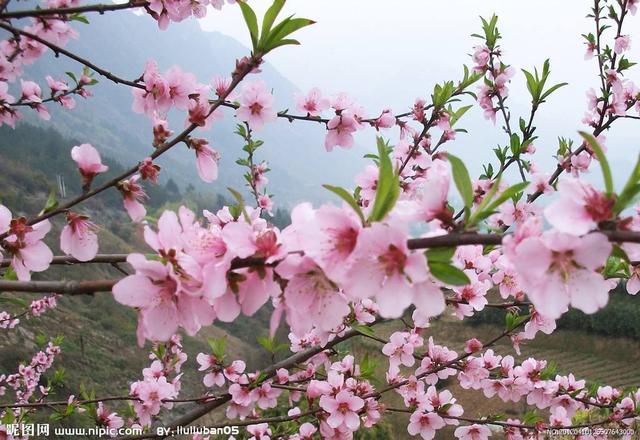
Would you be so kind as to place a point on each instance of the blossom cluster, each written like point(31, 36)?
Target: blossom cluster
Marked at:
point(160, 383)
point(26, 382)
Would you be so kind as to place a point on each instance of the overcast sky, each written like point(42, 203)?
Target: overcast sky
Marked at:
point(386, 53)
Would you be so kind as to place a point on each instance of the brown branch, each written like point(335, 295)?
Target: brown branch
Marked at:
point(448, 240)
point(60, 51)
point(61, 287)
point(99, 8)
point(204, 398)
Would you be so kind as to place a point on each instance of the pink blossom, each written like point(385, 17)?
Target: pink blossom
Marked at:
point(400, 349)
point(7, 114)
point(78, 237)
point(383, 266)
point(155, 97)
point(109, 420)
point(622, 44)
point(342, 409)
point(633, 284)
point(579, 207)
point(206, 159)
point(220, 84)
point(265, 396)
point(256, 105)
point(89, 162)
point(179, 86)
point(481, 56)
point(152, 393)
point(313, 103)
point(148, 170)
point(133, 194)
point(425, 424)
point(311, 299)
point(156, 290)
point(259, 432)
point(265, 202)
point(431, 198)
point(24, 243)
point(328, 235)
point(473, 432)
point(340, 131)
point(559, 269)
point(385, 120)
point(161, 130)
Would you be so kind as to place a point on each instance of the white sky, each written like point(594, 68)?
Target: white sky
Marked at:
point(387, 53)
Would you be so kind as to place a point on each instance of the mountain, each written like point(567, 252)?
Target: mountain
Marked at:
point(123, 42)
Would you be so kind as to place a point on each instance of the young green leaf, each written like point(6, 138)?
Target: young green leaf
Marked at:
point(269, 18)
point(604, 164)
point(51, 203)
point(448, 274)
point(462, 180)
point(347, 197)
point(441, 255)
point(252, 22)
point(630, 190)
point(485, 211)
point(388, 188)
point(363, 330)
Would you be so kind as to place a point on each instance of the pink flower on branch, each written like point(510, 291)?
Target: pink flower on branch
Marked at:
point(133, 194)
point(313, 103)
point(24, 244)
point(343, 409)
point(89, 163)
point(256, 105)
point(78, 237)
point(558, 269)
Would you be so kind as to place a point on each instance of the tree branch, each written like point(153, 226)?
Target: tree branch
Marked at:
point(99, 8)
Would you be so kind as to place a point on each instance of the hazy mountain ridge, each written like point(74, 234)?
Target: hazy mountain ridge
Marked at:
point(123, 42)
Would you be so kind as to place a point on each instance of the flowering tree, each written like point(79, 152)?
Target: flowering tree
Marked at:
point(337, 270)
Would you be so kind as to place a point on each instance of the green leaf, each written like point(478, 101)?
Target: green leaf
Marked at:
point(440, 255)
point(51, 203)
point(448, 274)
point(551, 90)
point(462, 180)
point(79, 17)
point(604, 164)
point(367, 367)
point(531, 418)
point(10, 274)
point(630, 190)
point(218, 347)
point(72, 76)
point(485, 210)
point(347, 197)
point(14, 301)
point(513, 321)
point(549, 371)
point(363, 330)
point(252, 22)
point(269, 18)
point(388, 187)
point(241, 204)
point(286, 27)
